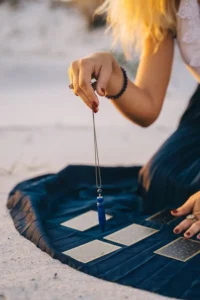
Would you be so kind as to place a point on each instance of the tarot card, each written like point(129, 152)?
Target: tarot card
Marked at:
point(163, 217)
point(91, 251)
point(84, 221)
point(180, 249)
point(131, 234)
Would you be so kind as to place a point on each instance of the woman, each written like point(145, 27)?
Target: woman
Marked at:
point(172, 176)
point(58, 212)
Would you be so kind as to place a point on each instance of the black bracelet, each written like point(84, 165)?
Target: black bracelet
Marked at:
point(123, 88)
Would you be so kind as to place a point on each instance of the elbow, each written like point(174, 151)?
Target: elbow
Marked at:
point(148, 119)
point(152, 111)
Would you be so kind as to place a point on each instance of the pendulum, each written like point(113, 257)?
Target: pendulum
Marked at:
point(101, 212)
point(100, 199)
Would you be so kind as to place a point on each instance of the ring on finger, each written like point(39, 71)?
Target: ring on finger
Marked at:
point(71, 86)
point(191, 217)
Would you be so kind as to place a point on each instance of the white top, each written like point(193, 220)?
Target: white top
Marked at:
point(188, 34)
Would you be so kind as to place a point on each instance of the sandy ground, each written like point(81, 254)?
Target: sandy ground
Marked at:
point(43, 128)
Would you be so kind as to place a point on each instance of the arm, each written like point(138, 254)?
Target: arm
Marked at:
point(143, 100)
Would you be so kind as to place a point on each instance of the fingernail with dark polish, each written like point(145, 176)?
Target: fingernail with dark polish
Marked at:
point(176, 231)
point(103, 91)
point(95, 110)
point(188, 233)
point(174, 211)
point(94, 104)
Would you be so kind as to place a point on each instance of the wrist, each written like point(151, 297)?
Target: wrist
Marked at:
point(116, 81)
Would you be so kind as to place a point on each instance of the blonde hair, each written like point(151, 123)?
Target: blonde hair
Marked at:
point(132, 21)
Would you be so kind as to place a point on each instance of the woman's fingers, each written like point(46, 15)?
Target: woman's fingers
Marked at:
point(70, 76)
point(86, 87)
point(192, 230)
point(92, 106)
point(103, 78)
point(80, 76)
point(190, 226)
point(74, 77)
point(101, 66)
point(184, 225)
point(196, 210)
point(186, 208)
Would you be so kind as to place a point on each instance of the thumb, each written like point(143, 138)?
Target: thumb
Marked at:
point(186, 208)
point(102, 81)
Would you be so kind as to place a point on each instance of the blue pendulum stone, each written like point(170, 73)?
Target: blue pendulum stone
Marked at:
point(101, 212)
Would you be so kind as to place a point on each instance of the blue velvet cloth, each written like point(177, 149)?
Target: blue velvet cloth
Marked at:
point(38, 206)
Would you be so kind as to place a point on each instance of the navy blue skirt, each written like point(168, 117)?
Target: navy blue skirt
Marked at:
point(40, 205)
point(173, 173)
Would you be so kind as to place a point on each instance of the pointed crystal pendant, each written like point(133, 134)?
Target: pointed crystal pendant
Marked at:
point(101, 212)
